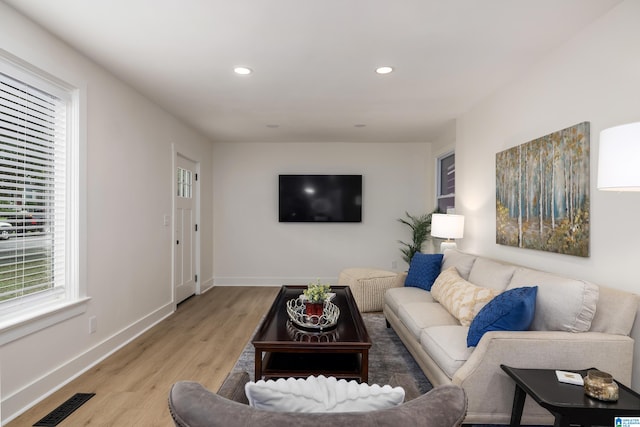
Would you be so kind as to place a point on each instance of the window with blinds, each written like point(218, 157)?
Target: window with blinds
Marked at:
point(447, 183)
point(33, 157)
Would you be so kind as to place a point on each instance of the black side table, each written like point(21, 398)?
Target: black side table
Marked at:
point(567, 402)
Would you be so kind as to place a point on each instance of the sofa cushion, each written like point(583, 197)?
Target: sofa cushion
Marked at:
point(562, 304)
point(615, 313)
point(321, 394)
point(461, 298)
point(491, 274)
point(419, 315)
point(461, 261)
point(447, 346)
point(512, 310)
point(423, 270)
point(394, 298)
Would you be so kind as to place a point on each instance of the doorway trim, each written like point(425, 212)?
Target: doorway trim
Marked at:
point(182, 152)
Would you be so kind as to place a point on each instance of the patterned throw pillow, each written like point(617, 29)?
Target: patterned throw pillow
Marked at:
point(461, 298)
point(512, 310)
point(423, 270)
point(321, 394)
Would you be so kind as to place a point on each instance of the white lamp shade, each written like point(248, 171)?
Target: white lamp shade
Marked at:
point(619, 158)
point(447, 226)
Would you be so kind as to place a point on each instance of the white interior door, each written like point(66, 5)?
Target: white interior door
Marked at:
point(185, 229)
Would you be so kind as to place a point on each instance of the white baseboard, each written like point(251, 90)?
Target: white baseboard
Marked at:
point(25, 398)
point(206, 285)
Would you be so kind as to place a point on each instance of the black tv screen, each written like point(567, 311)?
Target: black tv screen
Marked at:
point(320, 198)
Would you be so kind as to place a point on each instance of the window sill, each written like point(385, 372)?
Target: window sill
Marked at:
point(34, 320)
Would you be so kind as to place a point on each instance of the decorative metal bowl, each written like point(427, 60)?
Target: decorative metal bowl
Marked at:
point(600, 385)
point(296, 309)
point(301, 335)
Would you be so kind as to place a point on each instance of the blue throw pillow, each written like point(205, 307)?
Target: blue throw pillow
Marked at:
point(423, 270)
point(512, 310)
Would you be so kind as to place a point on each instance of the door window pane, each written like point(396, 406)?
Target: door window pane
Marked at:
point(184, 183)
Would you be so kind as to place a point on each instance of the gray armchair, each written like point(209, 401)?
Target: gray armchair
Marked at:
point(192, 405)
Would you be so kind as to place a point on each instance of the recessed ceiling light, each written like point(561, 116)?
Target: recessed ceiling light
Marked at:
point(243, 70)
point(384, 70)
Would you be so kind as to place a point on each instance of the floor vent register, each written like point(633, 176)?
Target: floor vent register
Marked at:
point(56, 416)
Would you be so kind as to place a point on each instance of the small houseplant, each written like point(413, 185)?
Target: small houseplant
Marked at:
point(420, 230)
point(316, 294)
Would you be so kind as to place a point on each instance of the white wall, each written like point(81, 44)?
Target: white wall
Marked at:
point(252, 247)
point(129, 177)
point(595, 78)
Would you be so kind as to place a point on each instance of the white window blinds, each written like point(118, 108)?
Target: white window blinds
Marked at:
point(33, 137)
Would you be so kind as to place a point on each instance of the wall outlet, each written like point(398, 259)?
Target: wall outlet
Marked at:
point(394, 265)
point(93, 324)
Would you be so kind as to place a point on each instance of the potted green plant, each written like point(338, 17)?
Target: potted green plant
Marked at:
point(315, 295)
point(420, 230)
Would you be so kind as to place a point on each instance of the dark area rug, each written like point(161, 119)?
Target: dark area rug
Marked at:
point(387, 357)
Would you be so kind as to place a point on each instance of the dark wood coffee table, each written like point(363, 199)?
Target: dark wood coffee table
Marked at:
point(283, 350)
point(567, 402)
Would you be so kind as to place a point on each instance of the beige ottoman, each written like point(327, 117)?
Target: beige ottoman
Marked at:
point(368, 286)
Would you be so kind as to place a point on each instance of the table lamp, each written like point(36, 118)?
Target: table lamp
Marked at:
point(447, 226)
point(619, 158)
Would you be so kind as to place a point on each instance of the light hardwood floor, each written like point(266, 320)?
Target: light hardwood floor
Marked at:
point(200, 342)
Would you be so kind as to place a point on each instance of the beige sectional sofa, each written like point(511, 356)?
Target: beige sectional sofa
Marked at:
point(576, 325)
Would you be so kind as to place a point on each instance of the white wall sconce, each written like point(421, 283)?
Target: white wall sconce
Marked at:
point(447, 226)
point(619, 158)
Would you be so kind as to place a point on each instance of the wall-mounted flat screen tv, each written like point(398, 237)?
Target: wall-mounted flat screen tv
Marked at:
point(320, 198)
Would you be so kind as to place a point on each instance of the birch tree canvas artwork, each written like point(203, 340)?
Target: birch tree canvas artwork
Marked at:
point(542, 193)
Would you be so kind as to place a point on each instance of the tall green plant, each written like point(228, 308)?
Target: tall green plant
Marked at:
point(421, 231)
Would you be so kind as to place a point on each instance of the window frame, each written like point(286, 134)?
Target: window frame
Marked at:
point(439, 185)
point(184, 183)
point(25, 315)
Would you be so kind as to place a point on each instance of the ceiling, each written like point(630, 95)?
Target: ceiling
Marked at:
point(313, 62)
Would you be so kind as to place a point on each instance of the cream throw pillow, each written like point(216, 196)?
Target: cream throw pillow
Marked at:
point(321, 394)
point(461, 298)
